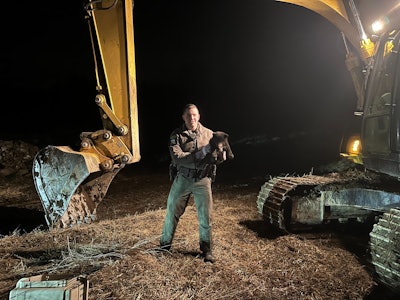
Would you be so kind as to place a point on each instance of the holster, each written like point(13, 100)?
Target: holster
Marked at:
point(209, 171)
point(172, 171)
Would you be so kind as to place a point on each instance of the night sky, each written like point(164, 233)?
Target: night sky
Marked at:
point(263, 71)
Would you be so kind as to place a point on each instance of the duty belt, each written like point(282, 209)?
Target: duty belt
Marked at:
point(191, 173)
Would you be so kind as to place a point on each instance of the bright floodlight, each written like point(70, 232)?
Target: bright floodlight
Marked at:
point(377, 26)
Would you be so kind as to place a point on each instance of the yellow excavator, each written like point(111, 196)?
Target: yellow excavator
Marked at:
point(372, 192)
point(72, 182)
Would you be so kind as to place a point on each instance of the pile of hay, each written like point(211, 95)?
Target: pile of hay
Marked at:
point(119, 256)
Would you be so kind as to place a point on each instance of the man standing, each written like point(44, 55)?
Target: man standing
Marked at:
point(190, 149)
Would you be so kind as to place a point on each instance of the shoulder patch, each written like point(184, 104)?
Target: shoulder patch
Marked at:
point(173, 140)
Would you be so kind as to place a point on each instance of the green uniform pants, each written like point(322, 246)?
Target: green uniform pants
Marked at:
point(178, 198)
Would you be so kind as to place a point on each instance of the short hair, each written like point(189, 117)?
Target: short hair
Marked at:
point(189, 106)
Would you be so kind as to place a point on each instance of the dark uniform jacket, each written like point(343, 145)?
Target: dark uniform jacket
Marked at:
point(184, 143)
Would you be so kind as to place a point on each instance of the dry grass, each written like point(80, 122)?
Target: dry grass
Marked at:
point(118, 253)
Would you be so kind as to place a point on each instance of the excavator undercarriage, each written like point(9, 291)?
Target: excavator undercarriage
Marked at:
point(296, 203)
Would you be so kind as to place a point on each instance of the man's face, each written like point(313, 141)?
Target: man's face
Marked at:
point(191, 118)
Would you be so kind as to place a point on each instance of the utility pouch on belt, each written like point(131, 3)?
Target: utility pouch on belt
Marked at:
point(172, 171)
point(210, 171)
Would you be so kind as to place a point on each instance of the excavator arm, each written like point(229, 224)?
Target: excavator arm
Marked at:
point(335, 12)
point(344, 15)
point(71, 183)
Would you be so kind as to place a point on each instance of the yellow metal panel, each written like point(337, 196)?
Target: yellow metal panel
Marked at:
point(335, 12)
point(133, 109)
point(114, 29)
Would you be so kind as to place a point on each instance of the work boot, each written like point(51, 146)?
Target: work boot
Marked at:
point(165, 247)
point(209, 257)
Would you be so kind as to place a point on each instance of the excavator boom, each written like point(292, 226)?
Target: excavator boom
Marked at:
point(335, 12)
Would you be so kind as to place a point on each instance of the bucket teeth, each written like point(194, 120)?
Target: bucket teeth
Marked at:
point(69, 186)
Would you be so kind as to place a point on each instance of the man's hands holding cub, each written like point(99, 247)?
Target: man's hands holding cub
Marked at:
point(201, 154)
point(210, 156)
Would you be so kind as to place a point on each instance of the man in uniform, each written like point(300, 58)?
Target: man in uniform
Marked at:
point(190, 149)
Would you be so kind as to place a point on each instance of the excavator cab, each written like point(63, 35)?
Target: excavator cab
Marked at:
point(71, 183)
point(381, 120)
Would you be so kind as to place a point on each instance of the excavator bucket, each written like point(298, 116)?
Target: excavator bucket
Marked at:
point(70, 185)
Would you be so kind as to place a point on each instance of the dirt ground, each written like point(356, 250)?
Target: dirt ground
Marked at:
point(117, 253)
